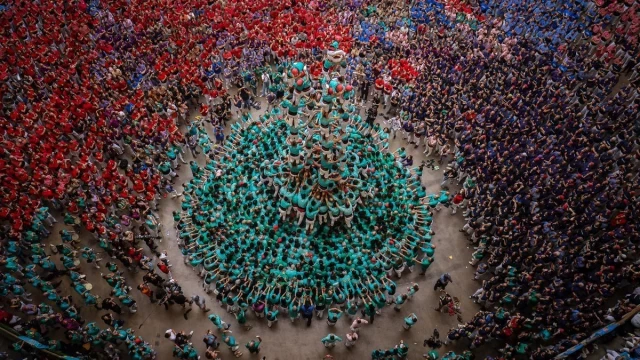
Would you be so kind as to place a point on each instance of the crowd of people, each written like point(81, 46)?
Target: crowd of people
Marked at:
point(549, 163)
point(522, 101)
point(300, 175)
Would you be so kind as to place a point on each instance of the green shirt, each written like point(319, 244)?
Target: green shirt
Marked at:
point(253, 345)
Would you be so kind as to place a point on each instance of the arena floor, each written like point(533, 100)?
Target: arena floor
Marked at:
point(295, 341)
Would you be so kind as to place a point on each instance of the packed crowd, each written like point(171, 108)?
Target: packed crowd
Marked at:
point(549, 164)
point(304, 174)
point(516, 98)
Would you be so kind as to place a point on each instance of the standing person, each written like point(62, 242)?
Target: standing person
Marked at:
point(231, 342)
point(443, 281)
point(200, 302)
point(434, 341)
point(217, 321)
point(254, 345)
point(109, 304)
point(425, 263)
point(412, 290)
point(245, 95)
point(395, 102)
point(111, 321)
point(407, 131)
point(401, 350)
point(365, 85)
point(333, 315)
point(399, 301)
point(180, 338)
point(146, 290)
point(90, 255)
point(357, 324)
point(266, 83)
point(372, 113)
point(171, 335)
point(258, 308)
point(210, 340)
point(179, 298)
point(370, 311)
point(253, 83)
point(409, 321)
point(330, 340)
point(395, 125)
point(272, 316)
point(241, 317)
point(457, 200)
point(294, 311)
point(351, 339)
point(444, 300)
point(219, 134)
point(307, 311)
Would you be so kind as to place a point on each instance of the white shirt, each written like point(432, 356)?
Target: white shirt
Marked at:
point(352, 336)
point(355, 324)
point(172, 334)
point(395, 123)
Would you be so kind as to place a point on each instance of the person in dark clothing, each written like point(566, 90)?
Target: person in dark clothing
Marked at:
point(364, 90)
point(245, 95)
point(307, 311)
point(443, 281)
point(210, 340)
point(153, 278)
point(372, 113)
point(109, 304)
point(179, 298)
point(370, 311)
point(111, 321)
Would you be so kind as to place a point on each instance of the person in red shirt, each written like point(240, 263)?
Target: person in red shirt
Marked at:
point(457, 200)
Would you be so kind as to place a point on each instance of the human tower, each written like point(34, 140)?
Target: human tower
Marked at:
point(306, 204)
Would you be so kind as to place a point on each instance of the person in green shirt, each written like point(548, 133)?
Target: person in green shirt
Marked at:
point(294, 310)
point(254, 345)
point(401, 350)
point(412, 290)
point(522, 348)
point(399, 302)
point(217, 321)
point(469, 183)
point(333, 315)
point(231, 342)
point(330, 340)
point(431, 355)
point(409, 321)
point(443, 199)
point(425, 263)
point(352, 309)
point(241, 317)
point(272, 316)
point(377, 354)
